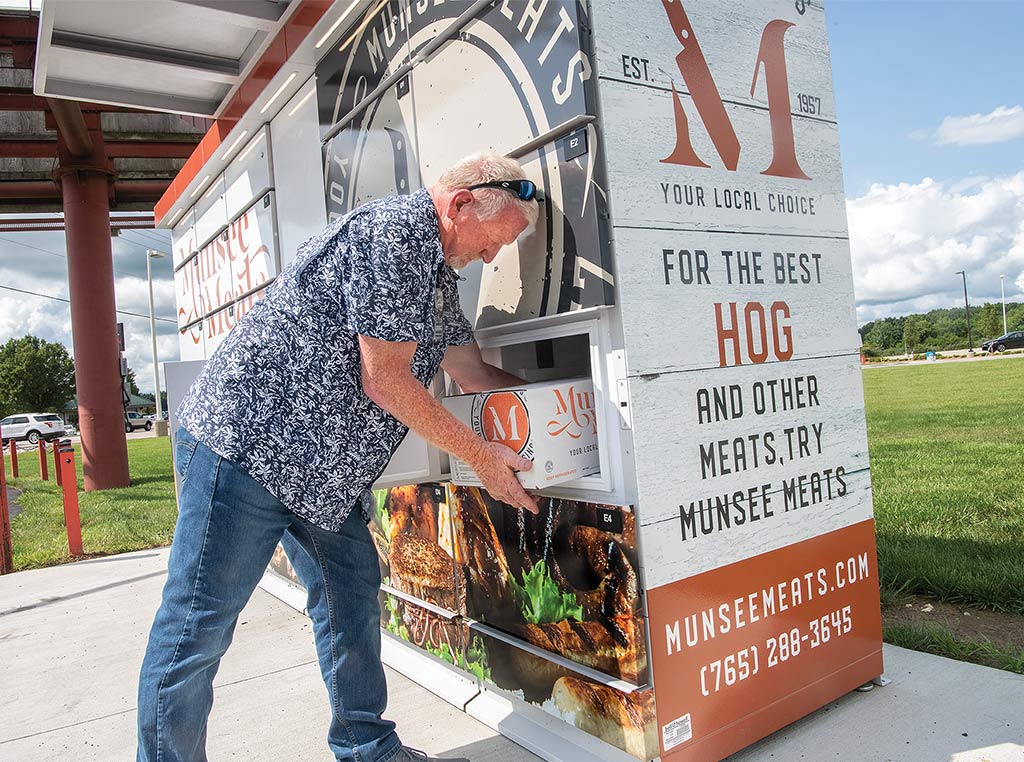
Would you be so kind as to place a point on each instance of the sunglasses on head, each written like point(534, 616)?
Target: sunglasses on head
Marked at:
point(523, 189)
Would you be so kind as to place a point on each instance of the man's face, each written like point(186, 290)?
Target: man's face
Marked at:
point(470, 238)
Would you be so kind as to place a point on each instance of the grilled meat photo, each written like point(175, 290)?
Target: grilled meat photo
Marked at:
point(625, 720)
point(412, 511)
point(614, 646)
point(480, 552)
point(424, 570)
point(616, 592)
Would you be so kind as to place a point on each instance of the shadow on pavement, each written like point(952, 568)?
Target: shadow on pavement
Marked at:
point(119, 557)
point(59, 598)
point(494, 749)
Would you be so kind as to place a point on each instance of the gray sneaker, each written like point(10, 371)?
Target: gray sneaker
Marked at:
point(405, 754)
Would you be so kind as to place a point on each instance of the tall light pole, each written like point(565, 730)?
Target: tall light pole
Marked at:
point(1002, 291)
point(152, 254)
point(967, 309)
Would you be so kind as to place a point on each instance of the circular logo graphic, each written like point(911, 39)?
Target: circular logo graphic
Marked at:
point(502, 78)
point(502, 417)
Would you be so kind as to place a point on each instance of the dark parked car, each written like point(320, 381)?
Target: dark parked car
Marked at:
point(1011, 340)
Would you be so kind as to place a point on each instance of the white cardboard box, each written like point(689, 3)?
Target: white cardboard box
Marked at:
point(554, 424)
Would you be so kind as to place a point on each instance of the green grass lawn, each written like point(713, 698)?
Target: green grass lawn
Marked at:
point(113, 521)
point(947, 446)
point(947, 449)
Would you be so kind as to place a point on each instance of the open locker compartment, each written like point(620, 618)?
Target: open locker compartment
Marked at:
point(415, 461)
point(572, 345)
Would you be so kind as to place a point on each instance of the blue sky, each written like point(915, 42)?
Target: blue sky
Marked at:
point(931, 90)
point(901, 67)
point(917, 84)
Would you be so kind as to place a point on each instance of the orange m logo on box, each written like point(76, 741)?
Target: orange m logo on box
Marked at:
point(697, 76)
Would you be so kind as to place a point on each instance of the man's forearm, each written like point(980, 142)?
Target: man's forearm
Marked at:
point(408, 401)
point(491, 377)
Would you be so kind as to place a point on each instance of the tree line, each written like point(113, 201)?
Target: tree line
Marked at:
point(939, 329)
point(38, 376)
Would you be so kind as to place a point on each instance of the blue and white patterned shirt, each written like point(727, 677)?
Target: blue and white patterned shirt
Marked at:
point(282, 396)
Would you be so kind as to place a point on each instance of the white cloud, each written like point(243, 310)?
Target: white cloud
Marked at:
point(998, 126)
point(909, 240)
point(36, 262)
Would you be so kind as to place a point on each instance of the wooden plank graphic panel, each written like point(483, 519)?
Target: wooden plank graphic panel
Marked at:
point(215, 327)
point(662, 45)
point(183, 238)
point(735, 463)
point(190, 343)
point(188, 292)
point(650, 188)
point(714, 300)
point(236, 262)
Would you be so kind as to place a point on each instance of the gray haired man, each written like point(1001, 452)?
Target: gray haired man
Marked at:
point(291, 421)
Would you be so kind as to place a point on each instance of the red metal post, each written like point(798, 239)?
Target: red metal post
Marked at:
point(70, 488)
point(6, 551)
point(14, 459)
point(84, 182)
point(44, 473)
point(56, 461)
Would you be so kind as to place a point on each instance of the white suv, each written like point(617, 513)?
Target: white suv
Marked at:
point(32, 426)
point(134, 421)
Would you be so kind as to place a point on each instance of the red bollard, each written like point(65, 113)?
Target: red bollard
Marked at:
point(44, 472)
point(56, 461)
point(70, 484)
point(6, 552)
point(14, 459)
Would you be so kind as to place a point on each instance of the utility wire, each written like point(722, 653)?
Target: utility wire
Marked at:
point(156, 240)
point(58, 254)
point(68, 301)
point(30, 246)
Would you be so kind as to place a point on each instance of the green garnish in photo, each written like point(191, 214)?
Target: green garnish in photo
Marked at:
point(383, 517)
point(540, 600)
point(476, 660)
point(395, 625)
point(444, 652)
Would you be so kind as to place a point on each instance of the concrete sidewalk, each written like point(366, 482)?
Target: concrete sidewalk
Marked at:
point(72, 639)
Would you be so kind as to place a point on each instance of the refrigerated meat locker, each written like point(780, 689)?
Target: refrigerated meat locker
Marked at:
point(717, 579)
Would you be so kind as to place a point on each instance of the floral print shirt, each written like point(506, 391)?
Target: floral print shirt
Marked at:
point(282, 396)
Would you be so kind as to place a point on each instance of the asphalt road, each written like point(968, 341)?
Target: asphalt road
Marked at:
point(978, 357)
point(140, 434)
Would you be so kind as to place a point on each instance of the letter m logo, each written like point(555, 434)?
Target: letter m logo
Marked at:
point(697, 76)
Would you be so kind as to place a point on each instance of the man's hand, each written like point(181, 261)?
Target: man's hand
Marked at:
point(495, 465)
point(388, 381)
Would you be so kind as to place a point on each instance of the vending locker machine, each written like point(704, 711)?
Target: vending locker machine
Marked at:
point(717, 579)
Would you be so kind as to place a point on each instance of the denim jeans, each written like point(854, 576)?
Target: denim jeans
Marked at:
point(228, 526)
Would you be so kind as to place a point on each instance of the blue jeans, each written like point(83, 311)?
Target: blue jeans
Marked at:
point(228, 526)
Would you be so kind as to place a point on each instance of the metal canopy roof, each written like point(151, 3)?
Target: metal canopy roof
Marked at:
point(144, 151)
point(180, 56)
point(238, 61)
